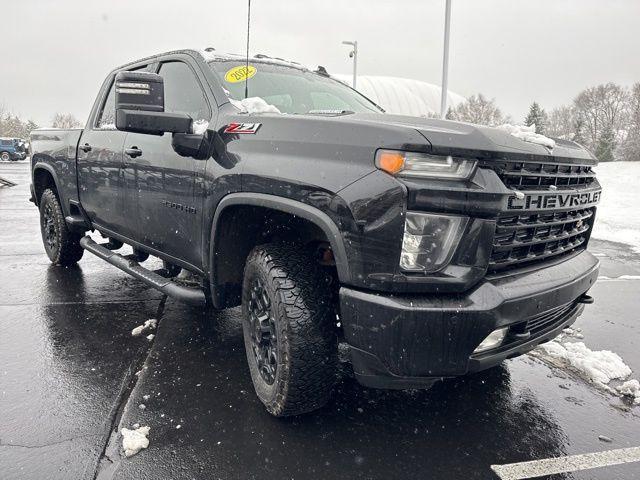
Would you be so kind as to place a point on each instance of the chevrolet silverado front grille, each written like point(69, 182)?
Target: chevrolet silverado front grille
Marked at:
point(525, 238)
point(544, 176)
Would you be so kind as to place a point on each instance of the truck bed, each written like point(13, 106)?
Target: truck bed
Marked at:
point(55, 150)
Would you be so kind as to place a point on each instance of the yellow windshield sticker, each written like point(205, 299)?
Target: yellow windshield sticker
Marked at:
point(240, 74)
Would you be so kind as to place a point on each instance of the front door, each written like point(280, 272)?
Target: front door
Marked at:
point(100, 182)
point(169, 208)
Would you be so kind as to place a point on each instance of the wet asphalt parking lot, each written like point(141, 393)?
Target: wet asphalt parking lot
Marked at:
point(72, 376)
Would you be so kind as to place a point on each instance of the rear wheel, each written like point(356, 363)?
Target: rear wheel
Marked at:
point(5, 156)
point(288, 329)
point(61, 244)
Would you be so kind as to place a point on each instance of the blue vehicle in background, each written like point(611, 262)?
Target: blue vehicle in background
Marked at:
point(12, 149)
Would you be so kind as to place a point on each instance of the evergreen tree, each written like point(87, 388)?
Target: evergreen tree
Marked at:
point(537, 116)
point(606, 146)
point(578, 131)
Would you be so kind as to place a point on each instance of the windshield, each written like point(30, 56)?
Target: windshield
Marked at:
point(290, 89)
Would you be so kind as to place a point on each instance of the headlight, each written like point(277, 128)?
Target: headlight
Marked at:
point(429, 240)
point(412, 164)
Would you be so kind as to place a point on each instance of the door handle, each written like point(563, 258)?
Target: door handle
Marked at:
point(133, 152)
point(85, 148)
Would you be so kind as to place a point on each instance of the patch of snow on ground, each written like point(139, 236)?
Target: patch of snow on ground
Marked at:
point(528, 134)
point(631, 389)
point(618, 217)
point(621, 278)
point(254, 105)
point(150, 324)
point(600, 366)
point(199, 126)
point(134, 440)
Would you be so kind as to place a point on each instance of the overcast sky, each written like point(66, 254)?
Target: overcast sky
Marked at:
point(55, 54)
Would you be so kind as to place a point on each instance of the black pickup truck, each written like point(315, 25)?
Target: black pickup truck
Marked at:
point(432, 248)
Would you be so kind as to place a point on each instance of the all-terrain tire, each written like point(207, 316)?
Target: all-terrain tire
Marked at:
point(302, 315)
point(61, 244)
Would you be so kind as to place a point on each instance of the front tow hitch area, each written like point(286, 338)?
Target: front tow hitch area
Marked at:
point(411, 341)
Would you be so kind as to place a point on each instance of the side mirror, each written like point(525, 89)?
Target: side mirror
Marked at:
point(140, 106)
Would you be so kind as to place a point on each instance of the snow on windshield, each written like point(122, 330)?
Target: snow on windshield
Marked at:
point(528, 134)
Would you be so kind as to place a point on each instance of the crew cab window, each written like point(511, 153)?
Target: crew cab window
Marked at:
point(182, 91)
point(107, 117)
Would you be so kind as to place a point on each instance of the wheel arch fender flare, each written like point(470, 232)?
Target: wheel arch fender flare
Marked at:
point(286, 205)
point(50, 170)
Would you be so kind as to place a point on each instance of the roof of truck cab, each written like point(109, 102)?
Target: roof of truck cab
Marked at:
point(209, 56)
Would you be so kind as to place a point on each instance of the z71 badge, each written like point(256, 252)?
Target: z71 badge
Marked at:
point(242, 127)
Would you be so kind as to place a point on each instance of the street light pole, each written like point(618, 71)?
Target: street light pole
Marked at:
point(445, 60)
point(353, 54)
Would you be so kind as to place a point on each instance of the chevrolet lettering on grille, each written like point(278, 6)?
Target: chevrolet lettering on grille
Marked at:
point(554, 200)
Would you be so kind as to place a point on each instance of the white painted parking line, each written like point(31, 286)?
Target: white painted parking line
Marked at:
point(572, 463)
point(621, 278)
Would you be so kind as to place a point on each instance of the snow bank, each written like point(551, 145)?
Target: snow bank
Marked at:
point(134, 440)
point(150, 324)
point(631, 389)
point(254, 105)
point(618, 217)
point(528, 134)
point(598, 366)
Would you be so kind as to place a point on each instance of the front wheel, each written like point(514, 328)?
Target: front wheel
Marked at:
point(288, 328)
point(5, 156)
point(62, 245)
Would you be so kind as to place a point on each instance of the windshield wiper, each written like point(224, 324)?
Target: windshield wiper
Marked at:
point(330, 112)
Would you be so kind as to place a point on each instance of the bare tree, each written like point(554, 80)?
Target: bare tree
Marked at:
point(13, 126)
point(65, 120)
point(602, 109)
point(479, 110)
point(560, 122)
point(630, 149)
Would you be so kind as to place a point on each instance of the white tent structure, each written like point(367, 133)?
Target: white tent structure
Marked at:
point(402, 96)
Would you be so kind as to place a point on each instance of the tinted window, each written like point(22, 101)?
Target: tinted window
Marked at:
point(107, 118)
point(182, 91)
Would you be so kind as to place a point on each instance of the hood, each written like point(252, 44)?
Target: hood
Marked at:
point(465, 139)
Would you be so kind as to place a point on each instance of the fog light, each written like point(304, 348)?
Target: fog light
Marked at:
point(429, 240)
point(493, 340)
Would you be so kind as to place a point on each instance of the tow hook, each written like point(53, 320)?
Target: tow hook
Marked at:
point(586, 299)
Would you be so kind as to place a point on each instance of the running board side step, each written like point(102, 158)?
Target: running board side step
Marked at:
point(194, 296)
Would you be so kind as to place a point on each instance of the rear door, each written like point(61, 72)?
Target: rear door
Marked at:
point(169, 207)
point(101, 187)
